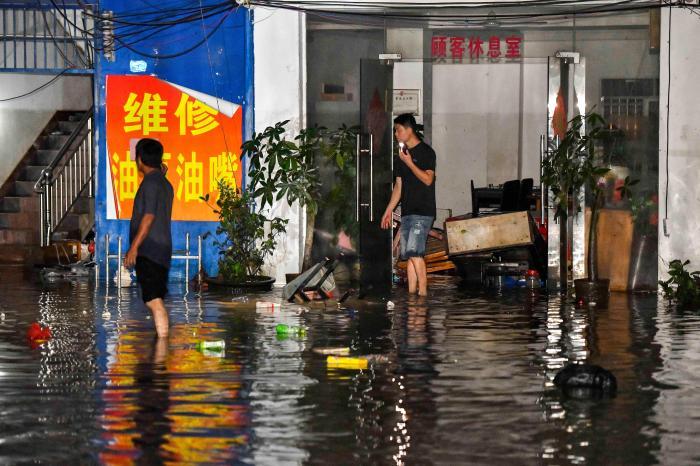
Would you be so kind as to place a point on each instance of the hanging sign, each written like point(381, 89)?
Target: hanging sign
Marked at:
point(201, 137)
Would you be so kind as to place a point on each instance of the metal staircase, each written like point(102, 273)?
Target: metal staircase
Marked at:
point(50, 194)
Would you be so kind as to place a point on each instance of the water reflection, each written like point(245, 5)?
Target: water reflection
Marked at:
point(466, 378)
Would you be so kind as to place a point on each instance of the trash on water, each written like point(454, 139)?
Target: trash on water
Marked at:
point(211, 348)
point(326, 351)
point(390, 305)
point(239, 299)
point(375, 358)
point(284, 329)
point(337, 362)
point(36, 332)
point(267, 305)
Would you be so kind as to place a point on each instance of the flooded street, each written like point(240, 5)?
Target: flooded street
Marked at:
point(467, 380)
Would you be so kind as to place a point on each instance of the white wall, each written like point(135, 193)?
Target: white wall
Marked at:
point(279, 38)
point(683, 212)
point(22, 120)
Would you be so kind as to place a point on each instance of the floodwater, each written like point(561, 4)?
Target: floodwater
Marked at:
point(467, 380)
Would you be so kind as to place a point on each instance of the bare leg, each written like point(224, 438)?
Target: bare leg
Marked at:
point(412, 277)
point(421, 274)
point(160, 316)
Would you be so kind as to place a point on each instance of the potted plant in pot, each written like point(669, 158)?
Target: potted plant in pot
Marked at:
point(565, 171)
point(245, 239)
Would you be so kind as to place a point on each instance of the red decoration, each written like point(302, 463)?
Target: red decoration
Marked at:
point(475, 49)
point(494, 47)
point(457, 48)
point(439, 47)
point(513, 47)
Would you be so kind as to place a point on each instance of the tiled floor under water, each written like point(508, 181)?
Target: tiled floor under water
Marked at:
point(467, 380)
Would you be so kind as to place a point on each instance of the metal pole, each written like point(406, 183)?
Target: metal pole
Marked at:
point(119, 264)
point(199, 261)
point(187, 261)
point(107, 259)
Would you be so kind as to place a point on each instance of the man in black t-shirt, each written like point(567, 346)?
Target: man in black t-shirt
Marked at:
point(150, 236)
point(414, 188)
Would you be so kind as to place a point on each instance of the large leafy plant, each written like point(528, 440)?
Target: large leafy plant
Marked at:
point(280, 168)
point(245, 239)
point(682, 286)
point(567, 169)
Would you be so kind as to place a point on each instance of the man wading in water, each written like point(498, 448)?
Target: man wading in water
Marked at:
point(414, 188)
point(149, 232)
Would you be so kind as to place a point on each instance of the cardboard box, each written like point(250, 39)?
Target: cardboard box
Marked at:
point(489, 233)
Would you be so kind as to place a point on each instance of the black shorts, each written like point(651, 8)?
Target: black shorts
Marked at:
point(153, 279)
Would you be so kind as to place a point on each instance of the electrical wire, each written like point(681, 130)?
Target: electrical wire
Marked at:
point(35, 90)
point(181, 53)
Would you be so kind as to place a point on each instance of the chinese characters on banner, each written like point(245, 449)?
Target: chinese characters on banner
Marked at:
point(201, 143)
point(475, 48)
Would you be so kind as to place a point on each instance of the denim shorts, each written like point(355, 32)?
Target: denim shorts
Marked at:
point(414, 235)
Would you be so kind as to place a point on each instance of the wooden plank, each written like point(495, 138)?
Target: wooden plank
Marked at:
point(615, 233)
point(488, 233)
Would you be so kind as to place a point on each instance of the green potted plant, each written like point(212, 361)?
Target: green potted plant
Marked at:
point(288, 169)
point(682, 286)
point(245, 238)
point(565, 171)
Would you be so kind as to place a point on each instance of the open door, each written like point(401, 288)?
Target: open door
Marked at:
point(374, 176)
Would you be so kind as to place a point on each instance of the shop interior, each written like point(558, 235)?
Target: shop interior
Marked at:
point(490, 111)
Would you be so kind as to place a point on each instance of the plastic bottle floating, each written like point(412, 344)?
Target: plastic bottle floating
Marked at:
point(267, 306)
point(284, 330)
point(338, 362)
point(325, 351)
point(37, 333)
point(214, 348)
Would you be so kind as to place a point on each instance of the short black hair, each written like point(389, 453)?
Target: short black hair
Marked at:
point(409, 121)
point(150, 152)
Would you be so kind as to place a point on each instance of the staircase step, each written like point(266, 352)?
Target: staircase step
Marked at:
point(23, 220)
point(45, 156)
point(19, 236)
point(24, 188)
point(55, 141)
point(67, 127)
point(19, 204)
point(77, 116)
point(31, 172)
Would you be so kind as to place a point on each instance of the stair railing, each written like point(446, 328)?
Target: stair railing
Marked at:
point(66, 178)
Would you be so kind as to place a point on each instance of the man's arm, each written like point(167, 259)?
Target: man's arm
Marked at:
point(141, 234)
point(393, 202)
point(425, 176)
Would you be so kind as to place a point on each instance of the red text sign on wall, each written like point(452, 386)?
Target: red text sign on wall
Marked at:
point(476, 48)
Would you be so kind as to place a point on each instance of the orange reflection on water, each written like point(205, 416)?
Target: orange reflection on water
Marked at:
point(176, 404)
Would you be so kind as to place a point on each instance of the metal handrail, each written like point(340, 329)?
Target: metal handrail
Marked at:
point(65, 179)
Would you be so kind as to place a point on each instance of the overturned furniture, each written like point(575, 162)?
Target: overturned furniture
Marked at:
point(507, 237)
point(317, 283)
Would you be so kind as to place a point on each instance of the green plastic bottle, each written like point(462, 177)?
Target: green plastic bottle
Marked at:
point(283, 329)
point(215, 346)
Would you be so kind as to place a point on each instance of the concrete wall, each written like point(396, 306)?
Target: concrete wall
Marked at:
point(680, 240)
point(22, 120)
point(280, 85)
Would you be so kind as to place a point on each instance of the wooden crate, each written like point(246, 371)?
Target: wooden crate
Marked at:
point(487, 233)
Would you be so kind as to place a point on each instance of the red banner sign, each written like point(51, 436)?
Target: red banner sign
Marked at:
point(201, 142)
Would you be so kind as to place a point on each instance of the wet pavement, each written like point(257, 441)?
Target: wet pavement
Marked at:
point(467, 380)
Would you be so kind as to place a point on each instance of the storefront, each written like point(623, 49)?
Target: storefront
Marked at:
point(488, 95)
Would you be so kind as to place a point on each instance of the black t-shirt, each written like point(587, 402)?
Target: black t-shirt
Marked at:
point(154, 196)
point(416, 197)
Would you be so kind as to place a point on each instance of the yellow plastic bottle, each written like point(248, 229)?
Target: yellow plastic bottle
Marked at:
point(346, 363)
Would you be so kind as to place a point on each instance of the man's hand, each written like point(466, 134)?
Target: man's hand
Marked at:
point(130, 258)
point(387, 220)
point(405, 157)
